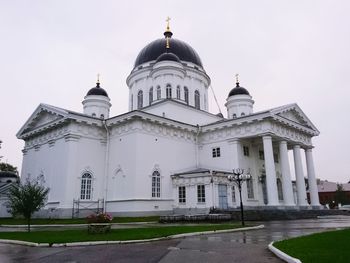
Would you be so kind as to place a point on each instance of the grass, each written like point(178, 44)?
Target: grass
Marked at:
point(44, 221)
point(66, 236)
point(333, 246)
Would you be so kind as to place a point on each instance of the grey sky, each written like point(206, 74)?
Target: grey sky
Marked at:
point(284, 51)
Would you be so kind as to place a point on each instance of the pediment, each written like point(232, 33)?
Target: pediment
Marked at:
point(294, 114)
point(42, 116)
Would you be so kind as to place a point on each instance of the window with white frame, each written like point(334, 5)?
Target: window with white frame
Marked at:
point(261, 155)
point(250, 189)
point(140, 99)
point(201, 193)
point(86, 186)
point(182, 194)
point(197, 100)
point(155, 184)
point(150, 95)
point(245, 150)
point(178, 92)
point(186, 94)
point(216, 152)
point(168, 91)
point(233, 194)
point(159, 93)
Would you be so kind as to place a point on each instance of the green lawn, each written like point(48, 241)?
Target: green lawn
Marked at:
point(116, 234)
point(333, 246)
point(43, 221)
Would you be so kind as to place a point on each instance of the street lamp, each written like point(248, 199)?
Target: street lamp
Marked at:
point(238, 178)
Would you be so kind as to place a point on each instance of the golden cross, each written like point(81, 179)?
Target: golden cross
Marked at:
point(167, 26)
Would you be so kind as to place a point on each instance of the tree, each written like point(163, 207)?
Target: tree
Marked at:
point(27, 198)
point(8, 167)
point(340, 195)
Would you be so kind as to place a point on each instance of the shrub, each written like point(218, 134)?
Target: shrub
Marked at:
point(99, 218)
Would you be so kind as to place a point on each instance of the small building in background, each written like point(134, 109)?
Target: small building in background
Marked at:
point(7, 179)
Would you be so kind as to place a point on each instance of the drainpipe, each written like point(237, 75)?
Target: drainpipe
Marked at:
point(106, 166)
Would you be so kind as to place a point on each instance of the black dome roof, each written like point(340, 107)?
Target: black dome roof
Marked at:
point(97, 91)
point(168, 57)
point(179, 48)
point(238, 91)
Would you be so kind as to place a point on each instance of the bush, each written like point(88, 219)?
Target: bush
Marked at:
point(99, 218)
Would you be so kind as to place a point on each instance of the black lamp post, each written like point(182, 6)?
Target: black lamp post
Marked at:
point(238, 178)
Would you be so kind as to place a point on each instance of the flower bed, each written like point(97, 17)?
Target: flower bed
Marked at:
point(99, 223)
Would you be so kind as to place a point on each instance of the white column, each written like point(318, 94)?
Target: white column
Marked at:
point(235, 153)
point(287, 187)
point(299, 176)
point(271, 184)
point(311, 178)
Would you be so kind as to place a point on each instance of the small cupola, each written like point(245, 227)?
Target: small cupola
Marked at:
point(239, 102)
point(96, 103)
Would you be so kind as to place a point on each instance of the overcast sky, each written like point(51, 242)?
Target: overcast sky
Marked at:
point(284, 51)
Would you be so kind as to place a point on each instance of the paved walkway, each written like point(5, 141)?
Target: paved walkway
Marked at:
point(247, 246)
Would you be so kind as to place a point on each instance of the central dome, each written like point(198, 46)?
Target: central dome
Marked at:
point(156, 48)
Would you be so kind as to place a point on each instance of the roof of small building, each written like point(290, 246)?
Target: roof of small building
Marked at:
point(8, 174)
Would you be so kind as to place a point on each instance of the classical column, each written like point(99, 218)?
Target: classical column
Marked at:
point(271, 183)
point(235, 153)
point(311, 178)
point(299, 176)
point(287, 186)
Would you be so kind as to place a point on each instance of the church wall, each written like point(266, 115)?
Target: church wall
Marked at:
point(182, 113)
point(49, 162)
point(136, 156)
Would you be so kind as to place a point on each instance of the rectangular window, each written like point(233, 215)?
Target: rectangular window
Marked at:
point(201, 193)
point(233, 194)
point(182, 194)
point(275, 157)
point(216, 152)
point(261, 155)
point(250, 189)
point(246, 150)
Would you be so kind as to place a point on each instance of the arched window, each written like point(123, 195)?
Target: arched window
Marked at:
point(156, 184)
point(178, 92)
point(186, 94)
point(242, 114)
point(197, 100)
point(279, 189)
point(85, 189)
point(102, 116)
point(140, 99)
point(168, 91)
point(159, 93)
point(94, 115)
point(150, 95)
point(234, 116)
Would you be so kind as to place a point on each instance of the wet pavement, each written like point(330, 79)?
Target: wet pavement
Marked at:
point(246, 246)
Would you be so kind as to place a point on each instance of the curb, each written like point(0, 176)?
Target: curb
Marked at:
point(75, 225)
point(93, 243)
point(282, 255)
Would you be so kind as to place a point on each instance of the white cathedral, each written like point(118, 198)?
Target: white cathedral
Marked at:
point(168, 153)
